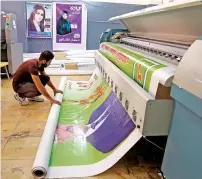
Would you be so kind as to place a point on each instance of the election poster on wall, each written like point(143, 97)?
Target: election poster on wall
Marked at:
point(39, 20)
point(69, 26)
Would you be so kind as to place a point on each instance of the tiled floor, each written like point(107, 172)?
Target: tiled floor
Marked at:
point(22, 128)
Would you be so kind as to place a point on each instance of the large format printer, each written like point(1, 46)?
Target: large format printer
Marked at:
point(156, 71)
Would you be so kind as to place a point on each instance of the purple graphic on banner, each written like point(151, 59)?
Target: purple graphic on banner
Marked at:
point(69, 23)
point(108, 126)
point(116, 126)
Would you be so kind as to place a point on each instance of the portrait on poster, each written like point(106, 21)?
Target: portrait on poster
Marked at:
point(39, 20)
point(68, 23)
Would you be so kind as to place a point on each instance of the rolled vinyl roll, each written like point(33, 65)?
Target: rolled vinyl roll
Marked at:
point(41, 163)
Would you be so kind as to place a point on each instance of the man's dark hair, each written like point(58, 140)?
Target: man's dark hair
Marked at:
point(46, 55)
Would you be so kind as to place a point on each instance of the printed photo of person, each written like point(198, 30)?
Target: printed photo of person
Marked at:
point(36, 19)
point(39, 20)
point(63, 24)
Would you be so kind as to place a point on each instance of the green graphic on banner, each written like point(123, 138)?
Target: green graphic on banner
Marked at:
point(77, 151)
point(92, 124)
point(137, 67)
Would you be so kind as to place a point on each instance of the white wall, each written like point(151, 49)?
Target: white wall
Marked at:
point(140, 2)
point(170, 1)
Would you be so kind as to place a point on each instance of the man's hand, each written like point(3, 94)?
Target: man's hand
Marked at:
point(57, 91)
point(55, 102)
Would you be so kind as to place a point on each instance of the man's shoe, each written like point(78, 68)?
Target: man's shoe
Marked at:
point(22, 101)
point(36, 99)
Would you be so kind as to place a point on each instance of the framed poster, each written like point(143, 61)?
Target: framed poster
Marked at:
point(69, 26)
point(39, 20)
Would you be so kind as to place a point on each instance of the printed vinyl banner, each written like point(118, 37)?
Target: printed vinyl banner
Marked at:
point(92, 133)
point(39, 20)
point(146, 72)
point(69, 26)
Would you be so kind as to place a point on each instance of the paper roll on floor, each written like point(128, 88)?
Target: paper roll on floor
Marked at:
point(41, 162)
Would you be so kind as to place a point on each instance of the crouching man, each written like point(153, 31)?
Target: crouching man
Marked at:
point(30, 79)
